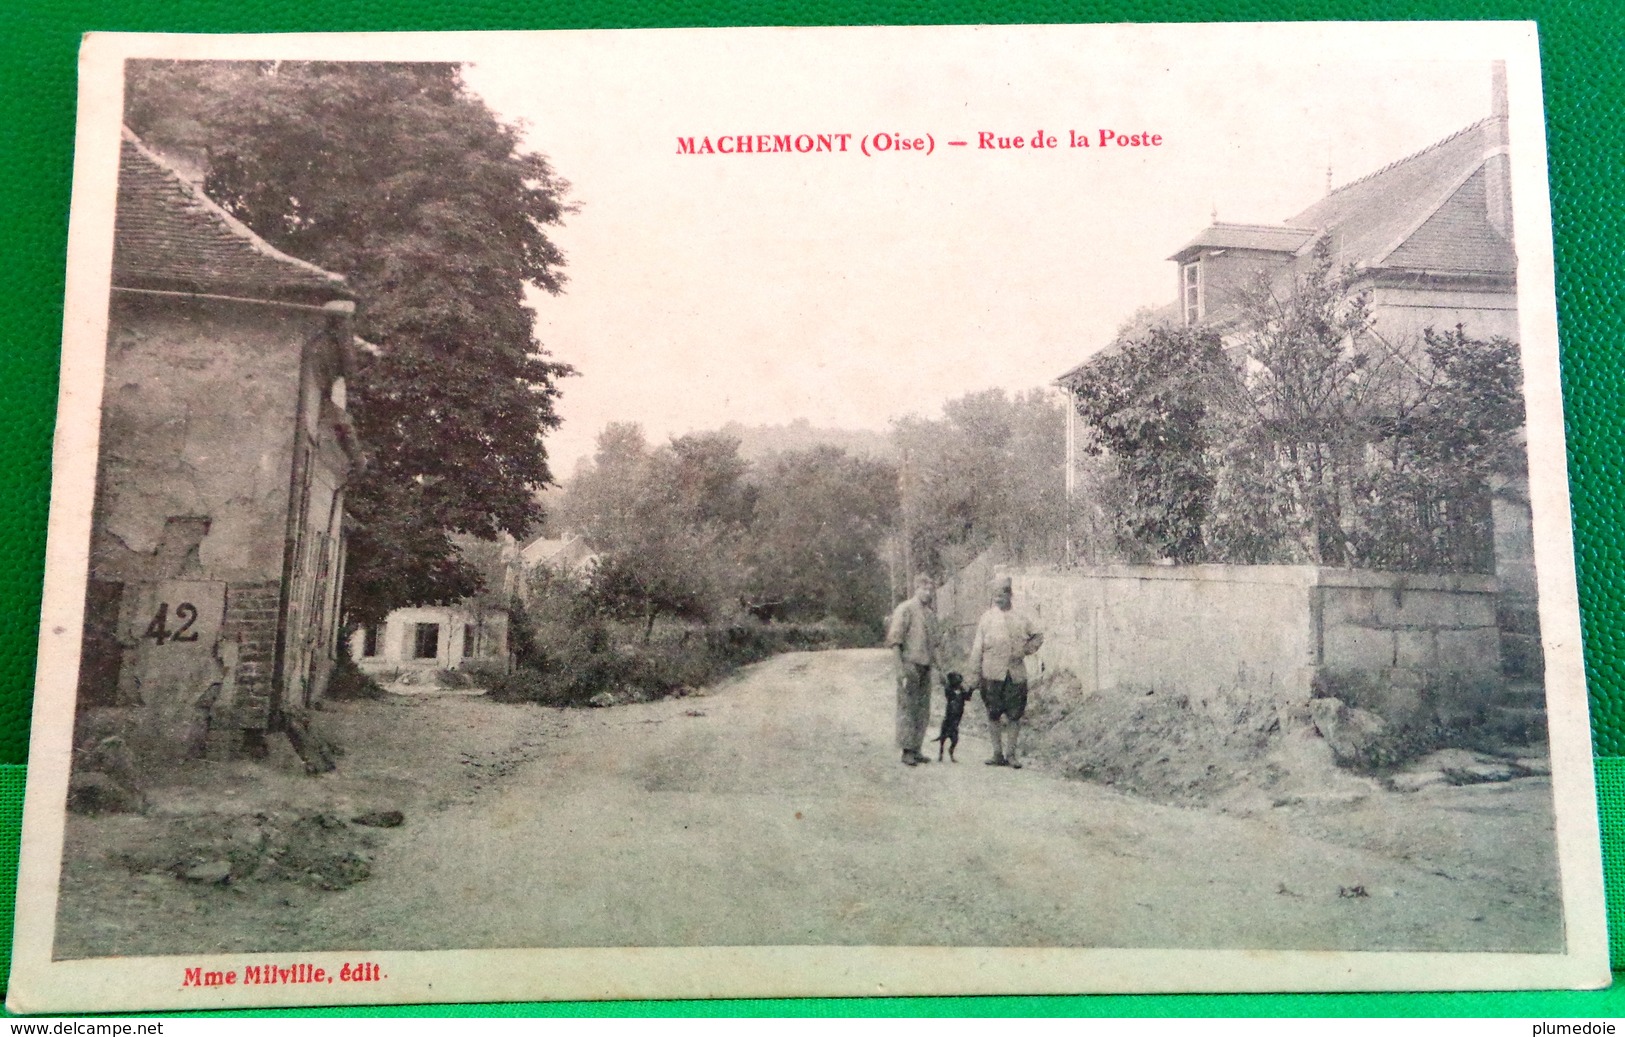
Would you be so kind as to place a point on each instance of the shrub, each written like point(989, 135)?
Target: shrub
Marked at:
point(348, 682)
point(484, 673)
point(453, 679)
point(524, 684)
point(571, 674)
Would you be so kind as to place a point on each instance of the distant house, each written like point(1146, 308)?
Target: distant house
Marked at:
point(217, 536)
point(568, 554)
point(449, 637)
point(1431, 239)
point(433, 637)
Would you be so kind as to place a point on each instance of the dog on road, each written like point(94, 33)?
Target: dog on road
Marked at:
point(953, 685)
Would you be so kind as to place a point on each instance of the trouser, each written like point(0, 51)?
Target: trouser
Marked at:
point(913, 706)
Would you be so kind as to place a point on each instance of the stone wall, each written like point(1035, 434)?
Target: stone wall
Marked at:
point(1263, 631)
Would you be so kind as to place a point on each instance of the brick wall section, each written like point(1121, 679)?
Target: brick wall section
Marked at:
point(251, 621)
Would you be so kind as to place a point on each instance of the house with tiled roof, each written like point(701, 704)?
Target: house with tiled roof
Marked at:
point(217, 538)
point(1429, 234)
point(569, 554)
point(1429, 238)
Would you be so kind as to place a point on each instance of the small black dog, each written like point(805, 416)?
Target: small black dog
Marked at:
point(958, 695)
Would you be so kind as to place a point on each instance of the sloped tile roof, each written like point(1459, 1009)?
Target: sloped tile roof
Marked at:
point(1258, 236)
point(1425, 212)
point(169, 236)
point(1458, 235)
point(1370, 216)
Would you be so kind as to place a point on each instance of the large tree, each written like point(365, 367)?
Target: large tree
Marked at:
point(398, 177)
point(988, 473)
point(1150, 405)
point(814, 548)
point(666, 523)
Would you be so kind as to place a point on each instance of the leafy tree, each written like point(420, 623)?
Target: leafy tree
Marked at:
point(1315, 376)
point(1152, 405)
point(396, 176)
point(666, 523)
point(988, 472)
point(820, 519)
point(1424, 495)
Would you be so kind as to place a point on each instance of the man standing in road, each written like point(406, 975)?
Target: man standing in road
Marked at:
point(1004, 639)
point(913, 634)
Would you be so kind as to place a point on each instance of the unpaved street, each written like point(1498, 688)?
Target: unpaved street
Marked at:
point(781, 816)
point(773, 811)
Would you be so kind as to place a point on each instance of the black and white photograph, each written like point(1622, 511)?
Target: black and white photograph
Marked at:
point(787, 512)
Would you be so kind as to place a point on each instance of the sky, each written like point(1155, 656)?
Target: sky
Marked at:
point(850, 290)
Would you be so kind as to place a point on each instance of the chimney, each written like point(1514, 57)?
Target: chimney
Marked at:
point(1497, 179)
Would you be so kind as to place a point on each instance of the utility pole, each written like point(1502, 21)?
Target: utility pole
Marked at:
point(908, 525)
point(1071, 471)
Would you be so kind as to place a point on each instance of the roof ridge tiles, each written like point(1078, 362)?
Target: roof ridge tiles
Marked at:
point(1441, 142)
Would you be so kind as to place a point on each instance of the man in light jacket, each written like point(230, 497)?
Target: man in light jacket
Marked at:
point(912, 634)
point(1004, 639)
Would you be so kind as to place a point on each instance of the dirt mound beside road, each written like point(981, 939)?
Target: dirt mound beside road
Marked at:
point(1175, 748)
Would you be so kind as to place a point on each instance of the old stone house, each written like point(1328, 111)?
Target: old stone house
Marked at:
point(217, 536)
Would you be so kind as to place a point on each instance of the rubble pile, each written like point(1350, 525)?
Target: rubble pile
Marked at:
point(312, 848)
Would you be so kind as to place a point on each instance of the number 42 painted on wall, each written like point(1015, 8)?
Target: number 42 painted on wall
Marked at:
point(185, 614)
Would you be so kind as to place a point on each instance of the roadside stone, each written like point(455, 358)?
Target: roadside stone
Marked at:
point(1413, 781)
point(110, 756)
point(1465, 767)
point(1482, 773)
point(602, 699)
point(92, 792)
point(213, 872)
point(380, 819)
point(1351, 733)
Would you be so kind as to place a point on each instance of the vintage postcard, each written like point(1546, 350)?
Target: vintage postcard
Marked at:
point(798, 512)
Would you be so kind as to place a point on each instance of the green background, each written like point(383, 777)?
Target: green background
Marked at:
point(1583, 57)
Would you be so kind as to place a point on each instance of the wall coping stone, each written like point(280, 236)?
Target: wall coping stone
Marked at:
point(1291, 575)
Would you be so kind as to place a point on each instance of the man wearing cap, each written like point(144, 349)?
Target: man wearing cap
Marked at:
point(913, 634)
point(1004, 639)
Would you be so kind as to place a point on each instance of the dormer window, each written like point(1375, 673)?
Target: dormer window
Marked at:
point(1190, 283)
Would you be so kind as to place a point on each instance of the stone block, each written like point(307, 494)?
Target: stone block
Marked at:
point(1461, 700)
point(1448, 610)
point(1353, 647)
point(1401, 696)
point(1416, 649)
point(1350, 606)
point(1470, 651)
point(1522, 657)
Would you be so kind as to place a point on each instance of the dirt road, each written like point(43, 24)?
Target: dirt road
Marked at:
point(773, 810)
point(780, 815)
